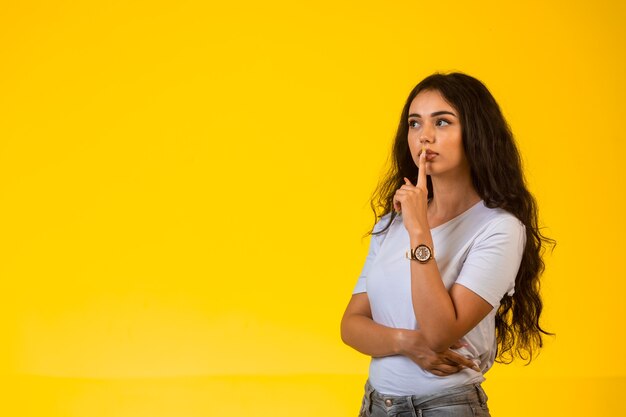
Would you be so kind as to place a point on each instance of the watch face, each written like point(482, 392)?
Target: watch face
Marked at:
point(422, 253)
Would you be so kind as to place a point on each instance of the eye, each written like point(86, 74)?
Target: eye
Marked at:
point(442, 122)
point(413, 124)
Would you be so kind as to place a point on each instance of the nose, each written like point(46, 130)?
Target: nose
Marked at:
point(427, 135)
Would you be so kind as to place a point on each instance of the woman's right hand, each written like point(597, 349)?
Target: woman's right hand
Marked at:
point(437, 363)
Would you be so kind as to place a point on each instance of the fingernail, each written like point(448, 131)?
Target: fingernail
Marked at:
point(476, 368)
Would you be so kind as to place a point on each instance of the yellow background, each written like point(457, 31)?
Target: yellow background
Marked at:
point(184, 188)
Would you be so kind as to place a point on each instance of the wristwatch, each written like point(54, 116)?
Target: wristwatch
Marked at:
point(422, 253)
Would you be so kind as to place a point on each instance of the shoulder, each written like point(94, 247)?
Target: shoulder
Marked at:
point(382, 223)
point(498, 222)
point(496, 218)
point(383, 226)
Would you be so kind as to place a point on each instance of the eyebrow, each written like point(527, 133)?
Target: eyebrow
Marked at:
point(437, 113)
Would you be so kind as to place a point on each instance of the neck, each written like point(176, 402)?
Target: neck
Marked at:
point(451, 197)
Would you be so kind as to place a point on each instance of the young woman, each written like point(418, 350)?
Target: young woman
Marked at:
point(451, 280)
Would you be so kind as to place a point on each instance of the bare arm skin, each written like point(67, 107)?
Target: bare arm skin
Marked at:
point(443, 316)
point(359, 331)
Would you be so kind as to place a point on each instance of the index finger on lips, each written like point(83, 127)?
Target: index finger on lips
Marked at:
point(421, 174)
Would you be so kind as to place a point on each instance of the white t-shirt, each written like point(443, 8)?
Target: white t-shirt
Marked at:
point(480, 249)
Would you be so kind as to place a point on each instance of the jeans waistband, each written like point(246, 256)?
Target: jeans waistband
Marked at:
point(459, 395)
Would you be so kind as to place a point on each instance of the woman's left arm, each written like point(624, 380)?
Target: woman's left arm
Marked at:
point(444, 317)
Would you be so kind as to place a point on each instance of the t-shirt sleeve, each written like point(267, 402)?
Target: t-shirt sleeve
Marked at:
point(494, 259)
point(375, 242)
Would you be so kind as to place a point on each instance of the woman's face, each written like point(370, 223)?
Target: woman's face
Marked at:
point(435, 125)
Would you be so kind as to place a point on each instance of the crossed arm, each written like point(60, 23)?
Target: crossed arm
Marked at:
point(359, 331)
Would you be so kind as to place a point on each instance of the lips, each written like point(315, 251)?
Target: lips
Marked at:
point(430, 155)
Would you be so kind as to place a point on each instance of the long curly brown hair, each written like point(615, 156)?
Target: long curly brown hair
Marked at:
point(497, 176)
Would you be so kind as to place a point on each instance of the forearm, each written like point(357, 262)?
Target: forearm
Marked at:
point(376, 340)
point(370, 338)
point(434, 310)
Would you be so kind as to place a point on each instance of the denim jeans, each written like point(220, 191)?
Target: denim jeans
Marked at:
point(465, 401)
